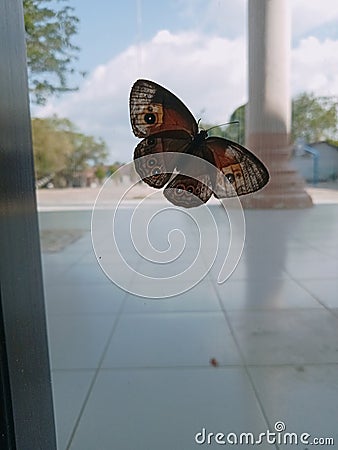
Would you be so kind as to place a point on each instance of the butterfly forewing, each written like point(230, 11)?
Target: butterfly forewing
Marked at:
point(154, 109)
point(239, 172)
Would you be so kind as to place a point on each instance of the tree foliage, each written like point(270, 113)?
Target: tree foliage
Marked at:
point(100, 173)
point(50, 49)
point(60, 149)
point(236, 132)
point(52, 148)
point(233, 131)
point(314, 118)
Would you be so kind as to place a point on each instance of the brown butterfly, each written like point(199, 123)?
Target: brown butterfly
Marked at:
point(171, 133)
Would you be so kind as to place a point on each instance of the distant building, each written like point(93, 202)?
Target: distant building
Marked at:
point(317, 161)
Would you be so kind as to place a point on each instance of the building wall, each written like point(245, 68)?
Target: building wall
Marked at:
point(327, 163)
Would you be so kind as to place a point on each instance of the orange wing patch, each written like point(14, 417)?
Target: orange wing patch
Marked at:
point(148, 117)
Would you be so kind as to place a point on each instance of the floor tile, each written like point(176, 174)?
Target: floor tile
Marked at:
point(88, 257)
point(303, 267)
point(286, 337)
point(69, 391)
point(325, 290)
point(53, 273)
point(108, 267)
point(82, 245)
point(65, 220)
point(84, 298)
point(152, 409)
point(77, 341)
point(161, 288)
point(265, 294)
point(158, 388)
point(58, 259)
point(328, 247)
point(193, 268)
point(162, 340)
point(199, 298)
point(90, 273)
point(303, 397)
point(250, 267)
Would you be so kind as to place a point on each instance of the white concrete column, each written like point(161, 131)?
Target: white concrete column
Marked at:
point(268, 118)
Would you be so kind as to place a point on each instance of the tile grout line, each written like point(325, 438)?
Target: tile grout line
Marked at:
point(207, 367)
point(197, 366)
point(244, 365)
point(97, 371)
point(299, 283)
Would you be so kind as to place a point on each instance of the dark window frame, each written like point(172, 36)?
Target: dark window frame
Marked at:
point(27, 416)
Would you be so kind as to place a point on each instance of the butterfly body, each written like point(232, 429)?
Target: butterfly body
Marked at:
point(170, 133)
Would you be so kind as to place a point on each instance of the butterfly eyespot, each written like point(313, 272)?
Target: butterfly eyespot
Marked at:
point(150, 118)
point(150, 108)
point(230, 177)
point(151, 141)
point(190, 189)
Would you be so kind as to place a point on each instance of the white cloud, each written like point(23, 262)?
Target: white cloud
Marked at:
point(308, 15)
point(207, 73)
point(314, 67)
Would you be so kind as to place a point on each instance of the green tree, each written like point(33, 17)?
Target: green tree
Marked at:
point(236, 132)
point(114, 167)
point(50, 49)
point(52, 147)
point(87, 150)
point(61, 149)
point(100, 173)
point(233, 131)
point(314, 118)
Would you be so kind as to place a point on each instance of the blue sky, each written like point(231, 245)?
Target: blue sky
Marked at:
point(196, 48)
point(109, 28)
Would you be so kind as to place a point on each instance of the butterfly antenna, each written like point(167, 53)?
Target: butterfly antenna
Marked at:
point(223, 124)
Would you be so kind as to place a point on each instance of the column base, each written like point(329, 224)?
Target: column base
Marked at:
point(286, 188)
point(277, 201)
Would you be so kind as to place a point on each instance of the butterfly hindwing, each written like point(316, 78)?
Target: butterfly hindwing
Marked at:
point(154, 109)
point(239, 172)
point(187, 191)
point(155, 157)
point(150, 165)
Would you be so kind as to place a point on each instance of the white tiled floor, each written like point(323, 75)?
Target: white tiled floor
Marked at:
point(152, 409)
point(304, 397)
point(171, 340)
point(134, 373)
